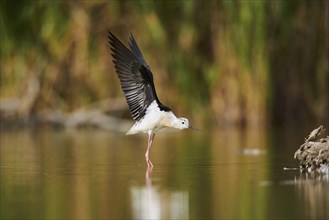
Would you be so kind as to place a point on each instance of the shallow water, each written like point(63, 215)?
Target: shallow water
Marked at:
point(93, 174)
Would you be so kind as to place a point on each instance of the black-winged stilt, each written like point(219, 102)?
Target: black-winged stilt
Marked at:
point(137, 84)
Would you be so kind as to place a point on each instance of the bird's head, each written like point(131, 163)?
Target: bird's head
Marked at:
point(182, 123)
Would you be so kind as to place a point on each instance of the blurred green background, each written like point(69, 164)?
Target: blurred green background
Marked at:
point(221, 63)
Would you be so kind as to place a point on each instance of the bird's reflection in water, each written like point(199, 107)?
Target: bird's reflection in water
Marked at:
point(149, 202)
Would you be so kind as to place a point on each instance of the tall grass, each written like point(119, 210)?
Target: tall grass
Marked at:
point(240, 63)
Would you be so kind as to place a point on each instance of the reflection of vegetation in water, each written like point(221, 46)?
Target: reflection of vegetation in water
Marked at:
point(243, 61)
point(313, 191)
point(83, 174)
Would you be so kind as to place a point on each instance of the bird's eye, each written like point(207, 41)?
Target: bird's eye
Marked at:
point(183, 122)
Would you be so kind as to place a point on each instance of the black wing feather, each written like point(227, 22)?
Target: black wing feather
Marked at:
point(136, 51)
point(135, 76)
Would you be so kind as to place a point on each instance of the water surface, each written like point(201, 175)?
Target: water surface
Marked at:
point(94, 174)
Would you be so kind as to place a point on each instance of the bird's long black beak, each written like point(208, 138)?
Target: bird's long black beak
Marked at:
point(194, 128)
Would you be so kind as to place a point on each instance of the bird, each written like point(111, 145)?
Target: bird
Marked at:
point(137, 84)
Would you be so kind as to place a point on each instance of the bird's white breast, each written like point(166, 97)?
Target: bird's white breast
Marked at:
point(153, 120)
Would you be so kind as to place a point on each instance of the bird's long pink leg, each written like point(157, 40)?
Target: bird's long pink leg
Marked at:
point(149, 143)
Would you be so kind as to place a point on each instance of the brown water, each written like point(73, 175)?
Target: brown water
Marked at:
point(93, 174)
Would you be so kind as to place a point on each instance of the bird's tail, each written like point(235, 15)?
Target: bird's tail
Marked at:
point(131, 131)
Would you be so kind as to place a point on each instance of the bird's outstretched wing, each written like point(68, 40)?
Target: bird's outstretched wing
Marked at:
point(135, 76)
